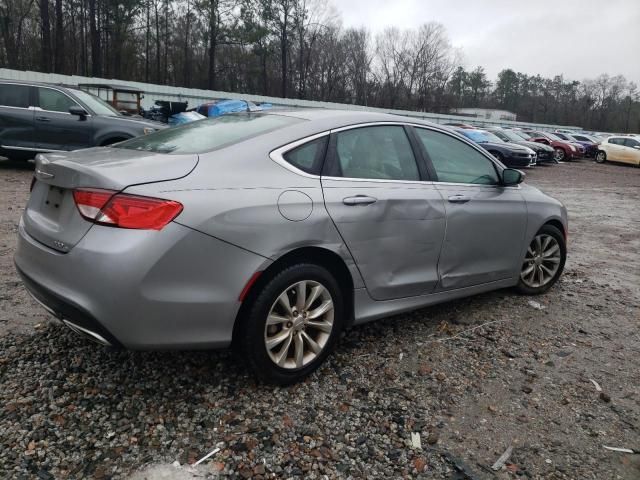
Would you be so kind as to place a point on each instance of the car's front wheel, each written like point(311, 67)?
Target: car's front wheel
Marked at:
point(559, 154)
point(292, 324)
point(601, 156)
point(543, 262)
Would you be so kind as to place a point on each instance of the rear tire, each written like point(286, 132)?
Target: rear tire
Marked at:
point(288, 317)
point(544, 261)
point(601, 156)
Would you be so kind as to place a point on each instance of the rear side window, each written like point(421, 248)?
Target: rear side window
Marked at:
point(14, 95)
point(308, 157)
point(382, 153)
point(209, 134)
point(456, 162)
point(617, 141)
point(54, 101)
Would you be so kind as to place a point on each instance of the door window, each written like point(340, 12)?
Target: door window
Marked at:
point(630, 142)
point(456, 162)
point(617, 141)
point(54, 101)
point(14, 95)
point(382, 152)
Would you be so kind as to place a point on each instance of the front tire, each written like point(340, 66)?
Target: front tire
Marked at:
point(559, 154)
point(292, 324)
point(543, 262)
point(601, 156)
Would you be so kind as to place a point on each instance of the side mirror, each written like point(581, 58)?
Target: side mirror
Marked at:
point(511, 176)
point(76, 110)
point(637, 147)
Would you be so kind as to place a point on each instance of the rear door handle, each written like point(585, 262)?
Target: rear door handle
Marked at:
point(459, 199)
point(359, 200)
point(43, 119)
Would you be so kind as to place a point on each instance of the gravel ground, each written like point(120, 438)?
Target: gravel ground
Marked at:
point(470, 377)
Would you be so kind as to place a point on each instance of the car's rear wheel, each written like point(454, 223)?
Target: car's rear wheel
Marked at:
point(601, 156)
point(543, 262)
point(292, 324)
point(559, 154)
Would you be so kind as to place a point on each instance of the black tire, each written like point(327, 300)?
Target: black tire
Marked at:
point(250, 340)
point(559, 154)
point(525, 289)
point(601, 156)
point(111, 141)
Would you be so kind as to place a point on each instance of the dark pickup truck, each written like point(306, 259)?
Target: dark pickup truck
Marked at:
point(39, 117)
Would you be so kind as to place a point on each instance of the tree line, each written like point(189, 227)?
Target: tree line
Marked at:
point(295, 49)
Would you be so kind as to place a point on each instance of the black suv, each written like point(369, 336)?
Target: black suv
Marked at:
point(38, 117)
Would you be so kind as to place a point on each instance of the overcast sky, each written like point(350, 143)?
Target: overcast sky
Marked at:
point(577, 38)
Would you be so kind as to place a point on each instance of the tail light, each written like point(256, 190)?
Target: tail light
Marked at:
point(110, 208)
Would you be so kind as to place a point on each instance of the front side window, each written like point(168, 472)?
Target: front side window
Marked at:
point(630, 142)
point(97, 105)
point(382, 152)
point(209, 134)
point(14, 95)
point(456, 162)
point(54, 101)
point(308, 157)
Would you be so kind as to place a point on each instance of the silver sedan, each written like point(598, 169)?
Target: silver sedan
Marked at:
point(272, 232)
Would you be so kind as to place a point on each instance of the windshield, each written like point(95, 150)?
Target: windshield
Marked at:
point(492, 137)
point(551, 136)
point(95, 104)
point(511, 136)
point(209, 134)
point(521, 134)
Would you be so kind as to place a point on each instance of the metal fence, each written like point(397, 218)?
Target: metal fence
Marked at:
point(196, 96)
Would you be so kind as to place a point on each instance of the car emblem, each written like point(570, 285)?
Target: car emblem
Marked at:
point(42, 175)
point(60, 245)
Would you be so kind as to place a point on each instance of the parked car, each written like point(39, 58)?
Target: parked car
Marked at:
point(544, 153)
point(619, 149)
point(275, 231)
point(215, 108)
point(590, 145)
point(563, 150)
point(38, 117)
point(509, 154)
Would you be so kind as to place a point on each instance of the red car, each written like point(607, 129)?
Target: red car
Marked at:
point(563, 150)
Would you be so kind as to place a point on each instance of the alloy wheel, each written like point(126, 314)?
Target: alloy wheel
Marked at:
point(299, 324)
point(558, 154)
point(600, 157)
point(541, 262)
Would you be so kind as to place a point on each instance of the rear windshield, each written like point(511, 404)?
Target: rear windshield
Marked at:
point(208, 134)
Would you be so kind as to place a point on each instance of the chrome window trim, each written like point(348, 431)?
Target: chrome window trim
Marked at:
point(277, 156)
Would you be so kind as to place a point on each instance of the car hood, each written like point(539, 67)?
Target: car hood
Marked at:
point(506, 146)
point(535, 146)
point(132, 121)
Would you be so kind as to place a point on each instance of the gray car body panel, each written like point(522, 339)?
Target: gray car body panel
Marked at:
point(244, 209)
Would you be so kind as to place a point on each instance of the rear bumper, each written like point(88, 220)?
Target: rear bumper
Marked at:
point(172, 289)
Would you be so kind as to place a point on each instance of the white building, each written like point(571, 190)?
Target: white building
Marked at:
point(485, 114)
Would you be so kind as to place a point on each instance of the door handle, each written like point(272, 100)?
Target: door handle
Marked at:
point(459, 199)
point(43, 119)
point(359, 200)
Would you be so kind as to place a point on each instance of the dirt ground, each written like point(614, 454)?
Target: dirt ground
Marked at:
point(473, 377)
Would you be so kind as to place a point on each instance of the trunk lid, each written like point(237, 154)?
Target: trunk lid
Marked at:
point(51, 216)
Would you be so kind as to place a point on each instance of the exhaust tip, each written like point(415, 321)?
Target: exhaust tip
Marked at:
point(85, 332)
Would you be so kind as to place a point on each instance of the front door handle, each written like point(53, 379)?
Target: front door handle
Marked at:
point(359, 200)
point(43, 119)
point(459, 199)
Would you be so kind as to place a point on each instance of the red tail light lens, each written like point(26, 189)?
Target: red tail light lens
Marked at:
point(107, 207)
